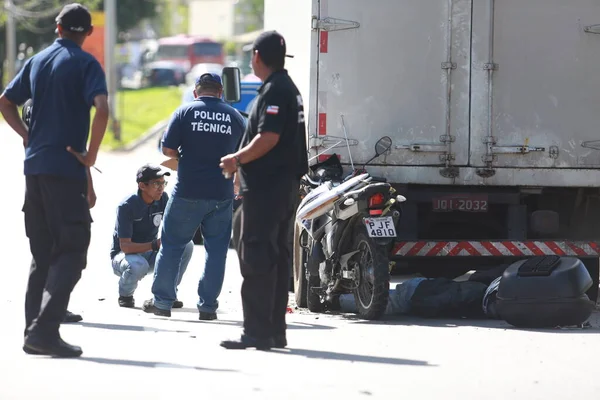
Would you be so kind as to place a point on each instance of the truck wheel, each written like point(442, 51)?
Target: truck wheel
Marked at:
point(299, 270)
point(373, 283)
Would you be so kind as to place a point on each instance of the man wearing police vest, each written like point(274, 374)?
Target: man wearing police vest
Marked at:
point(198, 135)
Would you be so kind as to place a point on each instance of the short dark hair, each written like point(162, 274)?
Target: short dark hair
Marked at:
point(212, 88)
point(273, 63)
point(208, 82)
point(74, 36)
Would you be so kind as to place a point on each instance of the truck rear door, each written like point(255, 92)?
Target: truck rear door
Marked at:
point(399, 68)
point(535, 93)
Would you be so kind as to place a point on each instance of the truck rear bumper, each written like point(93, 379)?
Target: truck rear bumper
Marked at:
point(495, 248)
point(537, 177)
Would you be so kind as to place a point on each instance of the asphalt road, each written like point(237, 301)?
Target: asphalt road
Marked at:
point(132, 355)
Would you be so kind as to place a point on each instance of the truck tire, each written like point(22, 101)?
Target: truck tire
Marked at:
point(373, 291)
point(299, 270)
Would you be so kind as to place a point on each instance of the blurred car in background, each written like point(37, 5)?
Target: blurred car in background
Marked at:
point(202, 68)
point(163, 73)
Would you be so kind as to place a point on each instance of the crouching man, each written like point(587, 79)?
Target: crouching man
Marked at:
point(135, 241)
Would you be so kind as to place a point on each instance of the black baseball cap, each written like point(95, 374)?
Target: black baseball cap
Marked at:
point(75, 18)
point(271, 47)
point(149, 172)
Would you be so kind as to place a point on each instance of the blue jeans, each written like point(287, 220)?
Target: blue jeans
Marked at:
point(133, 267)
point(182, 219)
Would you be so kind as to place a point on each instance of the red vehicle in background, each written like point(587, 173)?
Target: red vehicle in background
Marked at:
point(189, 50)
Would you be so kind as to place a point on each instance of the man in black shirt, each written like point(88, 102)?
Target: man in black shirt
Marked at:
point(271, 160)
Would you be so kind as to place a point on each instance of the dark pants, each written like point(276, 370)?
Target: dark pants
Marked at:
point(264, 252)
point(57, 223)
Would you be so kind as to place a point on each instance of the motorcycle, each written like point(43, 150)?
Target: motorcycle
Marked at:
point(343, 235)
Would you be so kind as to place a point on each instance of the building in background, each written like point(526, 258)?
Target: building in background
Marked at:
point(214, 19)
point(221, 19)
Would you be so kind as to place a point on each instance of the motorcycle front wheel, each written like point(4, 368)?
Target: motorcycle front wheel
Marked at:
point(373, 277)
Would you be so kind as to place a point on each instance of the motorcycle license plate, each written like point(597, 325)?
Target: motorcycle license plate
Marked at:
point(380, 227)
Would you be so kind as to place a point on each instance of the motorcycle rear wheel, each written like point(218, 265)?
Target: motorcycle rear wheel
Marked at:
point(373, 291)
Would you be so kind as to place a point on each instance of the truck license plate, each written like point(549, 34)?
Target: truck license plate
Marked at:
point(461, 202)
point(380, 227)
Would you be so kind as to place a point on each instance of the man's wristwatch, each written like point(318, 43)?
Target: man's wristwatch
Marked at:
point(237, 161)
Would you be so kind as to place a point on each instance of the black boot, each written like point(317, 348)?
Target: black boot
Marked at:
point(246, 342)
point(70, 317)
point(207, 316)
point(279, 342)
point(150, 308)
point(56, 348)
point(178, 304)
point(126, 301)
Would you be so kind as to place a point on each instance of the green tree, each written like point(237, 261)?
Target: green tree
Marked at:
point(172, 18)
point(253, 12)
point(35, 22)
point(131, 12)
point(36, 31)
point(36, 19)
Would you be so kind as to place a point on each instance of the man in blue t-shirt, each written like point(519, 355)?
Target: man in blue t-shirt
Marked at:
point(64, 82)
point(198, 135)
point(91, 195)
point(135, 239)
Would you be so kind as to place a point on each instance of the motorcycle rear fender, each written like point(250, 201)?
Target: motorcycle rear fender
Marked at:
point(366, 193)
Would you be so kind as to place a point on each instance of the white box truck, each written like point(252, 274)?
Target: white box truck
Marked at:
point(494, 112)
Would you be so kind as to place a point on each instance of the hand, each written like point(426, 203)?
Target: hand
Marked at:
point(228, 164)
point(91, 198)
point(85, 158)
point(25, 141)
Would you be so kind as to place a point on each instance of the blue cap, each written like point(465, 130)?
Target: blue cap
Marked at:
point(209, 79)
